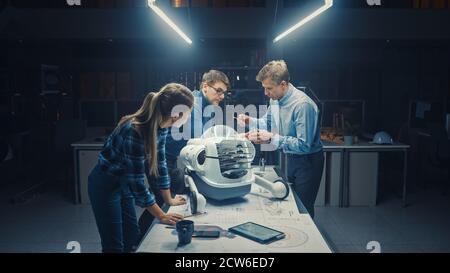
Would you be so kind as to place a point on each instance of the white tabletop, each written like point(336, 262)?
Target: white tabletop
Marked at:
point(302, 234)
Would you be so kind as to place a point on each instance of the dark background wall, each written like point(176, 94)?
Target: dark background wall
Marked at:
point(387, 74)
point(386, 56)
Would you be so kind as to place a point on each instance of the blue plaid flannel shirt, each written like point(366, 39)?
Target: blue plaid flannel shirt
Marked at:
point(123, 154)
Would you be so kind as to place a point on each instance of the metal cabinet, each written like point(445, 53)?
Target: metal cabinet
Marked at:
point(363, 178)
point(85, 159)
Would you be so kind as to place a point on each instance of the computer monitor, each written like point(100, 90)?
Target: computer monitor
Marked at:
point(352, 111)
point(423, 113)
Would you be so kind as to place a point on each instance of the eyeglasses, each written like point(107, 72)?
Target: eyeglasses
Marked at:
point(219, 91)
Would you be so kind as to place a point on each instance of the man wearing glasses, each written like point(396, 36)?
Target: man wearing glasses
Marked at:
point(213, 87)
point(212, 91)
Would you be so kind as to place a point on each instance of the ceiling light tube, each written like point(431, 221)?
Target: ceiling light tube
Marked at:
point(327, 5)
point(152, 5)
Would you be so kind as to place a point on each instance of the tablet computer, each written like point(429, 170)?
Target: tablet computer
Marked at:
point(258, 233)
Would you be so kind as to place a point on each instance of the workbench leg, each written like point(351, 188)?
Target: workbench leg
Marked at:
point(346, 178)
point(345, 182)
point(342, 180)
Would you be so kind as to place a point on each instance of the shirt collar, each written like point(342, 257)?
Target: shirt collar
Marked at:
point(205, 101)
point(162, 130)
point(286, 96)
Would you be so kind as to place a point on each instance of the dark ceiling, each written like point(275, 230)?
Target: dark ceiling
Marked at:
point(223, 23)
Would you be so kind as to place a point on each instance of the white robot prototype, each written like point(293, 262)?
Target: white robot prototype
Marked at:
point(219, 166)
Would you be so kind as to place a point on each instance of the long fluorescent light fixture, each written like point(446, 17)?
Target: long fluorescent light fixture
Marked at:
point(152, 5)
point(327, 5)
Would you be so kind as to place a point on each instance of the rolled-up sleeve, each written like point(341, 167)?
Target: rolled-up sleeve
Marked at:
point(134, 159)
point(163, 181)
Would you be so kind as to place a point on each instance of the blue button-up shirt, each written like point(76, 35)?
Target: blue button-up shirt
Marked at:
point(200, 121)
point(295, 117)
point(124, 155)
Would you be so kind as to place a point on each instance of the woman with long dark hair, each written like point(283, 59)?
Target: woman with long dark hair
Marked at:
point(134, 149)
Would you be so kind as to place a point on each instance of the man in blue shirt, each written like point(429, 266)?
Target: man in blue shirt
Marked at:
point(212, 91)
point(291, 124)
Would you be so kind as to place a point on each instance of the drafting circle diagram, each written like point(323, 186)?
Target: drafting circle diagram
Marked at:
point(294, 238)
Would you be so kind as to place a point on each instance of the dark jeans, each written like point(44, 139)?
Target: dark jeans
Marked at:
point(305, 172)
point(146, 218)
point(114, 211)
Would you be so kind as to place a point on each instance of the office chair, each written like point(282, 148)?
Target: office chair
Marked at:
point(47, 153)
point(34, 169)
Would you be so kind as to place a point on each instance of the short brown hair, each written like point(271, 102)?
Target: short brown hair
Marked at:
point(213, 76)
point(277, 71)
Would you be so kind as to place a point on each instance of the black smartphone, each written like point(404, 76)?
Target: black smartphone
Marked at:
point(206, 234)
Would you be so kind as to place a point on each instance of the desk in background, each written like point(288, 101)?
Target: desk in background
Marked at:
point(288, 216)
point(351, 173)
point(350, 176)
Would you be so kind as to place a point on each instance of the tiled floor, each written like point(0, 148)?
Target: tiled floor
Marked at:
point(421, 227)
point(46, 223)
point(49, 221)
